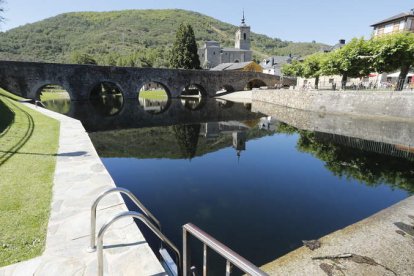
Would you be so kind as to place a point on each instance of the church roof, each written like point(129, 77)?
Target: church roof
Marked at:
point(395, 17)
point(231, 66)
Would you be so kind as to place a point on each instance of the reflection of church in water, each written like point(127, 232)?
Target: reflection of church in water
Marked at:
point(238, 130)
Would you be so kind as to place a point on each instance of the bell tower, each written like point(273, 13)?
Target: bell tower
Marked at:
point(243, 36)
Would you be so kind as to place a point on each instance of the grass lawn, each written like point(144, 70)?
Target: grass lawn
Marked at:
point(28, 147)
point(153, 95)
point(56, 95)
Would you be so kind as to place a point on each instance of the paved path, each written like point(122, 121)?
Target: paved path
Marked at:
point(238, 96)
point(80, 176)
point(382, 244)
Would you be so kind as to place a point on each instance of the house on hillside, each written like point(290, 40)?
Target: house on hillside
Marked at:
point(273, 65)
point(395, 24)
point(211, 54)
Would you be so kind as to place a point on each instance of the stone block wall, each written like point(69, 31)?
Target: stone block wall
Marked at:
point(382, 104)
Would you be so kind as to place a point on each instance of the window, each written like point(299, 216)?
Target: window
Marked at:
point(214, 53)
point(331, 80)
point(388, 28)
point(244, 36)
point(402, 25)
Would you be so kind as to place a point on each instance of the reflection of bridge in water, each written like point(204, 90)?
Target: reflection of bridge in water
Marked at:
point(132, 115)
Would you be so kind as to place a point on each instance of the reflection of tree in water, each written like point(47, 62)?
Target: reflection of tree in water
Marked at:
point(369, 167)
point(187, 138)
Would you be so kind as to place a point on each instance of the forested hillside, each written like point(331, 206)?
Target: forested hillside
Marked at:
point(127, 38)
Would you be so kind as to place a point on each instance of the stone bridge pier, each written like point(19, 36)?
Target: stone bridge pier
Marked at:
point(27, 79)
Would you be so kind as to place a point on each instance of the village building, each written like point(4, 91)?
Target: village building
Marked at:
point(211, 54)
point(273, 65)
point(403, 22)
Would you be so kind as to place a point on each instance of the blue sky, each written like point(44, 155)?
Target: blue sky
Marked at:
point(306, 20)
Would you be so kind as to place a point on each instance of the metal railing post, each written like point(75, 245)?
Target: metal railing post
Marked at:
point(232, 258)
point(204, 259)
point(92, 245)
point(143, 219)
point(185, 252)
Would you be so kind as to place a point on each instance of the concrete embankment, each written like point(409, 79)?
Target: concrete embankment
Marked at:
point(376, 104)
point(79, 178)
point(382, 244)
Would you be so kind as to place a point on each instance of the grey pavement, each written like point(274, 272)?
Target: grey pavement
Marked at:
point(79, 178)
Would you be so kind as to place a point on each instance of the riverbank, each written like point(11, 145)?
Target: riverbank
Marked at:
point(395, 104)
point(382, 244)
point(79, 177)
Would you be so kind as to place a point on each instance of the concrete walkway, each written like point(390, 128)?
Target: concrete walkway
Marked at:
point(382, 244)
point(80, 176)
point(238, 97)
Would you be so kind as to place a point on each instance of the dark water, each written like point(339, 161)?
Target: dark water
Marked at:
point(256, 184)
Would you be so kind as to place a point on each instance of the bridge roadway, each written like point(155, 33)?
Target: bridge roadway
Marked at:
point(27, 79)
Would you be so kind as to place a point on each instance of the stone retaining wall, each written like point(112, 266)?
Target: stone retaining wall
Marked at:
point(389, 104)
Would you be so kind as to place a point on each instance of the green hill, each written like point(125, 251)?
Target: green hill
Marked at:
point(129, 38)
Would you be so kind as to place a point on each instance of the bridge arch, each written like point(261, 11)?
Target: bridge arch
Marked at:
point(105, 87)
point(254, 83)
point(154, 97)
point(154, 85)
point(194, 89)
point(43, 87)
point(107, 97)
point(193, 103)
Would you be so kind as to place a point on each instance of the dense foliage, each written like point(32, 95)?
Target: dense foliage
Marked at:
point(393, 52)
point(128, 38)
point(360, 57)
point(184, 54)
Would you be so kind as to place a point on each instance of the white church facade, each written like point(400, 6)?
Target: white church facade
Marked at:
point(211, 54)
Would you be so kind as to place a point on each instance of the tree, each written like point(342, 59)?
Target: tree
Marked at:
point(184, 52)
point(312, 67)
point(348, 61)
point(393, 52)
point(293, 69)
point(82, 58)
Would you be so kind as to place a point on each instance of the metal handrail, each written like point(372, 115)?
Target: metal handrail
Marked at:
point(230, 256)
point(145, 220)
point(92, 246)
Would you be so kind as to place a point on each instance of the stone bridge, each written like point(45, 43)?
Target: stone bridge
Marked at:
point(27, 79)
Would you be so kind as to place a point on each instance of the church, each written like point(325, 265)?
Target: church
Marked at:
point(212, 54)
